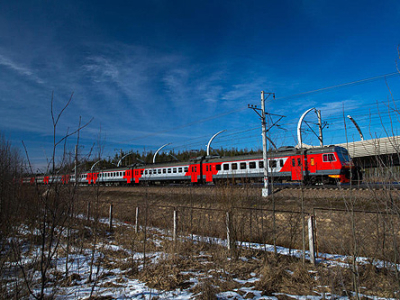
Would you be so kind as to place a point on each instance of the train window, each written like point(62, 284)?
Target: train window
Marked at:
point(281, 163)
point(169, 170)
point(145, 172)
point(293, 162)
point(179, 170)
point(150, 172)
point(164, 171)
point(226, 167)
point(299, 162)
point(242, 166)
point(186, 169)
point(218, 167)
point(159, 171)
point(252, 165)
point(141, 172)
point(272, 163)
point(234, 166)
point(328, 157)
point(261, 164)
point(174, 170)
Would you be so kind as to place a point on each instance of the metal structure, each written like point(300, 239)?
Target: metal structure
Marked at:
point(358, 128)
point(91, 169)
point(119, 162)
point(155, 154)
point(299, 134)
point(210, 141)
point(266, 191)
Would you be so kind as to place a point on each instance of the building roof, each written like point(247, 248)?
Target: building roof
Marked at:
point(372, 147)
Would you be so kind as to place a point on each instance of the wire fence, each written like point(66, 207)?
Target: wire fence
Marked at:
point(370, 234)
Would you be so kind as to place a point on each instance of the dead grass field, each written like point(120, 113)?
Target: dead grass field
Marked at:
point(202, 210)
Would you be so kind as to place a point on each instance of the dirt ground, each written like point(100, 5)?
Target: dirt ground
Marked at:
point(284, 199)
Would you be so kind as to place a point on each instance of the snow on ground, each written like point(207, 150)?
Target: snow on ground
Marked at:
point(113, 283)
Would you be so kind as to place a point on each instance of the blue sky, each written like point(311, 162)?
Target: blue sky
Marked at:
point(157, 72)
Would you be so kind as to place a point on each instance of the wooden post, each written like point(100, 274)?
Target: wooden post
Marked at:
point(228, 231)
point(137, 220)
point(88, 211)
point(175, 233)
point(110, 216)
point(311, 237)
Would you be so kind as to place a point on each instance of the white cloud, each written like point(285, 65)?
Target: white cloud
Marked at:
point(5, 61)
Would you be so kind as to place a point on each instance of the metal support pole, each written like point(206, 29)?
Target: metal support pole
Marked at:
point(321, 140)
point(266, 191)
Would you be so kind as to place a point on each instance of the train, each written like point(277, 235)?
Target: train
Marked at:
point(318, 165)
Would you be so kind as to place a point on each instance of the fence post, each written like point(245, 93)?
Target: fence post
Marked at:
point(175, 225)
point(137, 220)
point(110, 216)
point(88, 211)
point(228, 231)
point(311, 237)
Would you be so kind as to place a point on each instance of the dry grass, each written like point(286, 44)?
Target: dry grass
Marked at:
point(202, 211)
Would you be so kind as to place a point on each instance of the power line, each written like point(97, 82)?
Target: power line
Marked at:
point(338, 86)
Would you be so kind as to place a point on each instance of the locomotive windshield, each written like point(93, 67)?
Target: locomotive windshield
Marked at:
point(343, 154)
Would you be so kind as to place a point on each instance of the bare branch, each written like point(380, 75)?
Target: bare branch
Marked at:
point(27, 157)
point(72, 133)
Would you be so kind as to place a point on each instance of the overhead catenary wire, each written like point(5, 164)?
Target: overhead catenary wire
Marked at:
point(244, 135)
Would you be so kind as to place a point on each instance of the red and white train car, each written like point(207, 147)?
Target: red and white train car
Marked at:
point(331, 164)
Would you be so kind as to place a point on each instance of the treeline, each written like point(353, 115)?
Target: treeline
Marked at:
point(170, 156)
point(132, 158)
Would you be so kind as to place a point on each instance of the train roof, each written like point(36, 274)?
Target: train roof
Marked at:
point(280, 152)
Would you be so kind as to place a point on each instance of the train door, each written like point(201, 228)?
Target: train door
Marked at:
point(312, 165)
point(297, 168)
